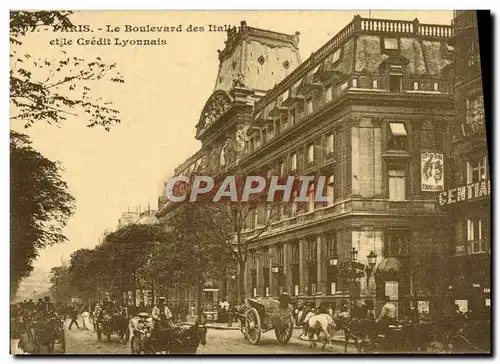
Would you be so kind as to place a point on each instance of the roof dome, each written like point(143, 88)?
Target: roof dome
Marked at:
point(389, 269)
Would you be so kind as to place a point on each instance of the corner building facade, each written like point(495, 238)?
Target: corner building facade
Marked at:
point(467, 197)
point(373, 111)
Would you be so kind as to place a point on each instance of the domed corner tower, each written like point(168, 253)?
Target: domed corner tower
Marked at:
point(252, 62)
point(256, 58)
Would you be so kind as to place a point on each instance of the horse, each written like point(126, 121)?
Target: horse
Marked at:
point(320, 323)
point(303, 318)
point(356, 329)
point(187, 341)
point(121, 323)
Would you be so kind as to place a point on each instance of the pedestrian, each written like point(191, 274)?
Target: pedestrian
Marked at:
point(74, 318)
point(86, 318)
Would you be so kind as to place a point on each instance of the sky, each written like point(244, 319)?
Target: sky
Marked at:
point(160, 103)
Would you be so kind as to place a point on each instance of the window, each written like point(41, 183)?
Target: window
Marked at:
point(294, 203)
point(331, 244)
point(328, 93)
point(310, 198)
point(477, 170)
point(436, 86)
point(292, 116)
point(397, 185)
point(330, 190)
point(284, 123)
point(309, 105)
point(295, 253)
point(336, 56)
point(477, 238)
point(310, 153)
point(396, 243)
point(415, 85)
point(279, 254)
point(330, 144)
point(391, 43)
point(354, 82)
point(281, 168)
point(264, 135)
point(375, 84)
point(294, 162)
point(398, 137)
point(475, 110)
point(427, 135)
point(395, 82)
point(312, 251)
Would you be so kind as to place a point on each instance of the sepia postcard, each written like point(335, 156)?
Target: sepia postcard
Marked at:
point(249, 182)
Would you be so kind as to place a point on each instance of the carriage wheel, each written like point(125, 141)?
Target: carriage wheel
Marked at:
point(284, 332)
point(253, 327)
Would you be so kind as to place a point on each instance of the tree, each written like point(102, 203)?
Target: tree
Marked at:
point(128, 252)
point(89, 272)
point(40, 206)
point(191, 254)
point(61, 290)
point(220, 227)
point(50, 90)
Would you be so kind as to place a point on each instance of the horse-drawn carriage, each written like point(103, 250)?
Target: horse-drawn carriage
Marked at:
point(43, 335)
point(113, 322)
point(168, 338)
point(264, 314)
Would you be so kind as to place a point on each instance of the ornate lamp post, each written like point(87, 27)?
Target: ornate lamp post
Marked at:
point(333, 261)
point(372, 260)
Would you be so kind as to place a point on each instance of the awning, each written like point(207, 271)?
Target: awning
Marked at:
point(398, 129)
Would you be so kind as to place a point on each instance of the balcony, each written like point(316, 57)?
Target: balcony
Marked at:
point(385, 206)
point(473, 247)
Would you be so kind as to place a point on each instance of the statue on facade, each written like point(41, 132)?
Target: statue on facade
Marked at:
point(240, 141)
point(222, 160)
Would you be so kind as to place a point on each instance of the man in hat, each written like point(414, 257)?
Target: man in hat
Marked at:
point(161, 316)
point(387, 315)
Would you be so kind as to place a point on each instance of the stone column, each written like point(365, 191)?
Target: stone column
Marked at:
point(260, 276)
point(287, 268)
point(272, 258)
point(321, 264)
point(248, 280)
point(303, 272)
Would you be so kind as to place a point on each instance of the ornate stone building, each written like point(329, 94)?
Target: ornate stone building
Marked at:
point(372, 111)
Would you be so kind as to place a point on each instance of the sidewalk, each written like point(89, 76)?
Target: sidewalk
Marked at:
point(337, 338)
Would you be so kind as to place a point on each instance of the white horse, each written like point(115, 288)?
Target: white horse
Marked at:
point(321, 323)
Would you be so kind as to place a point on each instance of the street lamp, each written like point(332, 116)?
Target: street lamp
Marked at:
point(354, 254)
point(333, 261)
point(372, 260)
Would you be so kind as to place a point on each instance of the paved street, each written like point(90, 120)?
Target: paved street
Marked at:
point(218, 342)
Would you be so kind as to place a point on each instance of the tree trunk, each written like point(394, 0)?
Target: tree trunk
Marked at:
point(241, 282)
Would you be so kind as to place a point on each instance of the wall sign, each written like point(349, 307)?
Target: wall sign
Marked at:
point(432, 170)
point(391, 289)
point(469, 192)
point(423, 307)
point(462, 305)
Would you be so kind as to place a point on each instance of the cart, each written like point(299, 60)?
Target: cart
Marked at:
point(264, 314)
